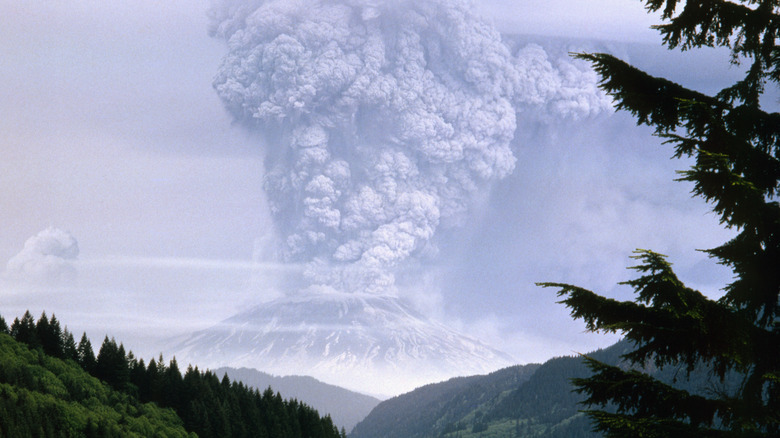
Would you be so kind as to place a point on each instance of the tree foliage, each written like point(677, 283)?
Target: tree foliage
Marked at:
point(734, 145)
point(50, 390)
point(41, 395)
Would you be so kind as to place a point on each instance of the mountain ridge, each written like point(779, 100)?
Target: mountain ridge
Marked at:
point(346, 408)
point(541, 404)
point(446, 399)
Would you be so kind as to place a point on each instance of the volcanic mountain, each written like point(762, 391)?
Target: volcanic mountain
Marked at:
point(369, 343)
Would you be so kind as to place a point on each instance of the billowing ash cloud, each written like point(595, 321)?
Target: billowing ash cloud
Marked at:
point(558, 85)
point(46, 259)
point(381, 121)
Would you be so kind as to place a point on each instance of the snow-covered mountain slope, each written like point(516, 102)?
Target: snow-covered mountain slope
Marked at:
point(369, 343)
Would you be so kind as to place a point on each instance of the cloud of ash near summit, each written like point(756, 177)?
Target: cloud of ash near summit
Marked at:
point(381, 122)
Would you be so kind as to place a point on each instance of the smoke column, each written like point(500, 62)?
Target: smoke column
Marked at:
point(381, 122)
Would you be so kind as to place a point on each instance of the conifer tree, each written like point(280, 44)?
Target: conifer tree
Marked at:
point(86, 356)
point(24, 330)
point(735, 147)
point(50, 335)
point(172, 384)
point(112, 364)
point(69, 348)
point(138, 378)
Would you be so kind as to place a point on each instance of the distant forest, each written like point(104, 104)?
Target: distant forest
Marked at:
point(51, 386)
point(522, 401)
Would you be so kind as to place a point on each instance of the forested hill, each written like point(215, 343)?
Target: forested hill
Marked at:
point(51, 386)
point(345, 407)
point(434, 408)
point(530, 401)
point(44, 396)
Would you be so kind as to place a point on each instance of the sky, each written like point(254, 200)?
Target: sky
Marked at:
point(136, 198)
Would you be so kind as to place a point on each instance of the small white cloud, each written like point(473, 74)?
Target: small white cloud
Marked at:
point(46, 259)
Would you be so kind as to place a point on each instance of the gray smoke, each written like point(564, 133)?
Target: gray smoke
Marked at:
point(382, 120)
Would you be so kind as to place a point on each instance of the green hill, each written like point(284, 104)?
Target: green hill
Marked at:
point(440, 407)
point(50, 386)
point(530, 401)
point(44, 396)
point(345, 407)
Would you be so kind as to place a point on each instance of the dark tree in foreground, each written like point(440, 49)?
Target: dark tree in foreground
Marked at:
point(734, 144)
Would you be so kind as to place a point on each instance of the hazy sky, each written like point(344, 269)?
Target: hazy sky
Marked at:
point(112, 132)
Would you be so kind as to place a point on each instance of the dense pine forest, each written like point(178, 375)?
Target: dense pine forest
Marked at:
point(52, 386)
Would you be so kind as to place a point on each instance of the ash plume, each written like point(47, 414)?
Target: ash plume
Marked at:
point(381, 122)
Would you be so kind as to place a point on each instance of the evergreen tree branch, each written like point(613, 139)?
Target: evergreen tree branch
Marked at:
point(634, 392)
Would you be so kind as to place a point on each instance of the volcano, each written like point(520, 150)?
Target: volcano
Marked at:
point(370, 343)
